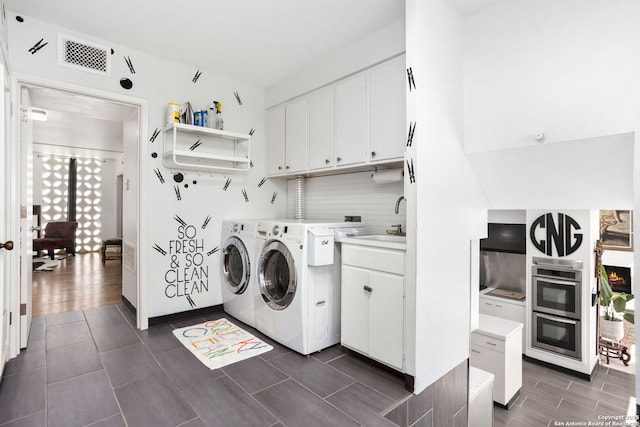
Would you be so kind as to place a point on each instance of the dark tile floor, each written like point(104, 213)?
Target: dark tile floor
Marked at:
point(552, 398)
point(93, 367)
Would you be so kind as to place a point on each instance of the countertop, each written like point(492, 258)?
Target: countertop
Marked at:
point(485, 294)
point(377, 241)
point(497, 327)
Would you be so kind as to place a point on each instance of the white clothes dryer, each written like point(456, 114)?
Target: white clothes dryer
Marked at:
point(237, 270)
point(298, 283)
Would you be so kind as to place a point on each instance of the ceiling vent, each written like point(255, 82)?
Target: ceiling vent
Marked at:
point(83, 55)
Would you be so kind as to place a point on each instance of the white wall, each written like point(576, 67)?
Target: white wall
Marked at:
point(446, 209)
point(567, 68)
point(595, 173)
point(159, 81)
point(383, 44)
point(332, 197)
point(507, 216)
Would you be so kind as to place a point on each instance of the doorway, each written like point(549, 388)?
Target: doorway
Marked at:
point(84, 124)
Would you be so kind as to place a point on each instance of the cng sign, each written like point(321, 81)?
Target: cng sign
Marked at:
point(561, 233)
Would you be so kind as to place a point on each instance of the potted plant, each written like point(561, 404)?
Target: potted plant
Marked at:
point(615, 309)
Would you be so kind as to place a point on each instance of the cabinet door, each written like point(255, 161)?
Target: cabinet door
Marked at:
point(486, 306)
point(510, 311)
point(355, 309)
point(490, 361)
point(386, 318)
point(351, 127)
point(321, 129)
point(275, 141)
point(387, 110)
point(515, 312)
point(295, 140)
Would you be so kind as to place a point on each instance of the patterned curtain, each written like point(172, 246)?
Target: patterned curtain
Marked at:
point(71, 189)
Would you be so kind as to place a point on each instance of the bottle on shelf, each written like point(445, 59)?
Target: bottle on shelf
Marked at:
point(211, 116)
point(219, 121)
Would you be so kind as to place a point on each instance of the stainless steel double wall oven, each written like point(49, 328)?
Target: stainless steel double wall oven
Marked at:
point(557, 305)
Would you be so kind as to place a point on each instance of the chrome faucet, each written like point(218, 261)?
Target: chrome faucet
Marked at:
point(398, 203)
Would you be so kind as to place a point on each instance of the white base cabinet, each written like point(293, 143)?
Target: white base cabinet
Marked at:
point(496, 348)
point(372, 306)
point(505, 309)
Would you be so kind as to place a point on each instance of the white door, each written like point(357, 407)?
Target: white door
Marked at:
point(26, 217)
point(321, 129)
point(295, 136)
point(387, 110)
point(275, 141)
point(351, 121)
point(5, 284)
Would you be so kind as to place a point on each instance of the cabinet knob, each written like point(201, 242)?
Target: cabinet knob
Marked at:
point(373, 154)
point(338, 158)
point(279, 168)
point(367, 288)
point(327, 161)
point(287, 167)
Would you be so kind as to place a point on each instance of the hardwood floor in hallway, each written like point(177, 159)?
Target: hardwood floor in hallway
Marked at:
point(77, 283)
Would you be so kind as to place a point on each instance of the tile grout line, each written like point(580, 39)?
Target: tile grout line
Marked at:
point(312, 392)
point(104, 368)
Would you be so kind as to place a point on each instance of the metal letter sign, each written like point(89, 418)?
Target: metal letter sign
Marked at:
point(563, 236)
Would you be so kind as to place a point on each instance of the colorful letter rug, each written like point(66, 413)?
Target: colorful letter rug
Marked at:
point(218, 343)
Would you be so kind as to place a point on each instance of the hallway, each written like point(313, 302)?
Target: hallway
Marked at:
point(77, 283)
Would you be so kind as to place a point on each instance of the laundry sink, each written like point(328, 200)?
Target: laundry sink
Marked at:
point(391, 241)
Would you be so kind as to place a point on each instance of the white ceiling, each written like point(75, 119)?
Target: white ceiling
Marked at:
point(258, 41)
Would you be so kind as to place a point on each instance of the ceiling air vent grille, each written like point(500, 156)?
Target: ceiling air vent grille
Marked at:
point(82, 55)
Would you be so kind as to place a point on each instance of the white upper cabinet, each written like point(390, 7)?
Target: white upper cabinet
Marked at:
point(275, 141)
point(321, 129)
point(351, 120)
point(387, 110)
point(295, 140)
point(355, 122)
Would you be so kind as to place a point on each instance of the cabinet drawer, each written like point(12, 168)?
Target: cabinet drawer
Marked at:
point(388, 260)
point(487, 342)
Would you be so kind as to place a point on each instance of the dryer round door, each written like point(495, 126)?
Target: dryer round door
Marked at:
point(236, 266)
point(277, 275)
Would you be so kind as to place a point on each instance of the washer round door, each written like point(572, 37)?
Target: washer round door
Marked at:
point(236, 266)
point(277, 275)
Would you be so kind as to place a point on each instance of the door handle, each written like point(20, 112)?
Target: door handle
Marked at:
point(8, 245)
point(367, 288)
point(36, 228)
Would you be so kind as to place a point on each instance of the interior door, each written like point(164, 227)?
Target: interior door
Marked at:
point(26, 217)
point(5, 284)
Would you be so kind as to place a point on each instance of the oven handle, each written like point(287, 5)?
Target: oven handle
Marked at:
point(557, 281)
point(557, 319)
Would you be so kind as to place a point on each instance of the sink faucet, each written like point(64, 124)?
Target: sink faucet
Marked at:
point(398, 203)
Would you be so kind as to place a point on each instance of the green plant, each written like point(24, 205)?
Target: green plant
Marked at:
point(614, 303)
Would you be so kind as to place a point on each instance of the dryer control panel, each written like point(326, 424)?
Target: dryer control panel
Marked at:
point(293, 233)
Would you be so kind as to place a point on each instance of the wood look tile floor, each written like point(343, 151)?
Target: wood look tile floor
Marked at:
point(78, 282)
point(552, 398)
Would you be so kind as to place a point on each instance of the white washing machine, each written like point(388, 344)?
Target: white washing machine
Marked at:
point(298, 282)
point(238, 268)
